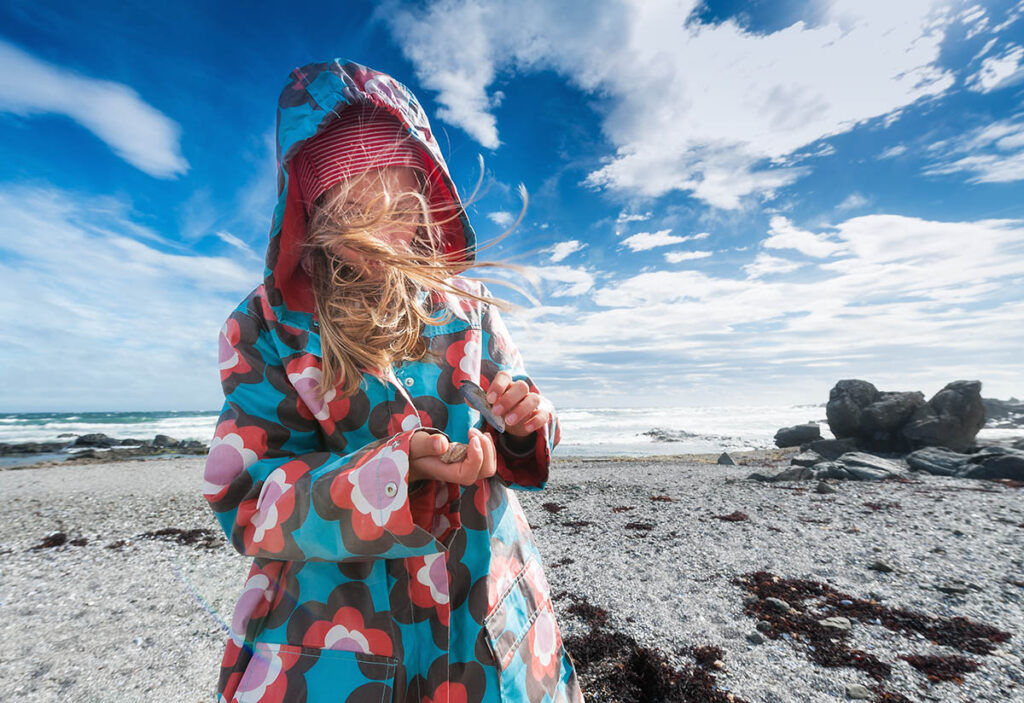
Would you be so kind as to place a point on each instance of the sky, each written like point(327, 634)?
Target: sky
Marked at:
point(729, 203)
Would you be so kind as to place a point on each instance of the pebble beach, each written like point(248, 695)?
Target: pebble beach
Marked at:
point(117, 583)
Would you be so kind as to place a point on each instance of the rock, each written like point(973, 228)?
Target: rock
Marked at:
point(868, 467)
point(951, 418)
point(832, 469)
point(777, 604)
point(163, 441)
point(30, 448)
point(823, 487)
point(882, 420)
point(937, 460)
point(797, 434)
point(857, 692)
point(806, 459)
point(880, 566)
point(661, 435)
point(97, 439)
point(995, 463)
point(131, 442)
point(1006, 414)
point(760, 477)
point(755, 638)
point(837, 622)
point(833, 448)
point(954, 586)
point(763, 625)
point(797, 473)
point(846, 400)
point(726, 460)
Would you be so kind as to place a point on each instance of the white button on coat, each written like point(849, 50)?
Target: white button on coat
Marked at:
point(390, 489)
point(409, 382)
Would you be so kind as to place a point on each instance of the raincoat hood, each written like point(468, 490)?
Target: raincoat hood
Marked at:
point(310, 102)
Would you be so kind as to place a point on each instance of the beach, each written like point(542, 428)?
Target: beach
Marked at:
point(133, 603)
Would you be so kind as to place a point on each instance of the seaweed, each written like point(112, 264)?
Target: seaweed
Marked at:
point(734, 516)
point(200, 537)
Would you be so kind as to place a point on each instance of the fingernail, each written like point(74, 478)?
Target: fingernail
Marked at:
point(497, 410)
point(511, 419)
point(491, 397)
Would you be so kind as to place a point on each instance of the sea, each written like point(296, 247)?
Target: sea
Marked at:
point(586, 432)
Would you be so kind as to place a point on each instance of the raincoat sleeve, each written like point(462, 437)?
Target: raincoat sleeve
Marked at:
point(277, 494)
point(521, 466)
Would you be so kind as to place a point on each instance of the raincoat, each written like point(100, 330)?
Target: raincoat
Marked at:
point(362, 587)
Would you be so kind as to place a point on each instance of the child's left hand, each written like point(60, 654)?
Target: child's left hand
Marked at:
point(524, 412)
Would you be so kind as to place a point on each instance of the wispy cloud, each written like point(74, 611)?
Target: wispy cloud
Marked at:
point(562, 249)
point(783, 235)
point(642, 241)
point(719, 133)
point(136, 131)
point(676, 257)
point(990, 154)
point(91, 305)
point(501, 218)
point(999, 71)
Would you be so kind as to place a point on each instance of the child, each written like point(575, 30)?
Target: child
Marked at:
point(380, 572)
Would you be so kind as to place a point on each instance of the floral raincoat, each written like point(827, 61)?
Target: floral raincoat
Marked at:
point(362, 587)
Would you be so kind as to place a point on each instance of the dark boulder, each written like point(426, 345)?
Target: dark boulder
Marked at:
point(950, 419)
point(797, 434)
point(97, 439)
point(1006, 414)
point(846, 401)
point(833, 448)
point(937, 460)
point(995, 463)
point(806, 459)
point(164, 441)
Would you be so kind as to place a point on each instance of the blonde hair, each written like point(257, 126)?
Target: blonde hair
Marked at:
point(368, 322)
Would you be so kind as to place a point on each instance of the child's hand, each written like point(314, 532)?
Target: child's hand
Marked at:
point(425, 452)
point(524, 412)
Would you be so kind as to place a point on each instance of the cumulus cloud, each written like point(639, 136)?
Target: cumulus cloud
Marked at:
point(990, 154)
point(562, 249)
point(93, 300)
point(642, 241)
point(136, 131)
point(766, 264)
point(783, 235)
point(574, 281)
point(720, 133)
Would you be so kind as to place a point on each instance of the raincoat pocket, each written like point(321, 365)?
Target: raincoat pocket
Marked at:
point(533, 666)
point(281, 673)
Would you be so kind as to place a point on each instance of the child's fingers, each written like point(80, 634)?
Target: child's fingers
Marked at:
point(490, 462)
point(523, 409)
point(537, 420)
point(513, 395)
point(497, 386)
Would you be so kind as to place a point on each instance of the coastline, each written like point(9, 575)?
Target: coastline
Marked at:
point(136, 598)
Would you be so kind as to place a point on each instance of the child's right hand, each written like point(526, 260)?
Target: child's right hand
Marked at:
point(426, 449)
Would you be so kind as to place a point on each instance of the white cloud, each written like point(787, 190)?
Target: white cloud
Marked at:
point(676, 257)
point(99, 319)
point(994, 153)
point(766, 264)
point(576, 281)
point(642, 241)
point(893, 151)
point(501, 218)
point(999, 71)
point(904, 304)
point(625, 217)
point(136, 131)
point(785, 236)
point(853, 201)
point(562, 249)
point(234, 241)
point(716, 132)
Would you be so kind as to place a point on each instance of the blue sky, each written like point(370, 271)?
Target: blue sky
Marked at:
point(730, 202)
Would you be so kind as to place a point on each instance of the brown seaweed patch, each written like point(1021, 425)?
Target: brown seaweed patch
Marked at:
point(942, 668)
point(884, 505)
point(663, 498)
point(734, 516)
point(639, 526)
point(621, 508)
point(612, 666)
point(200, 537)
point(553, 507)
point(828, 647)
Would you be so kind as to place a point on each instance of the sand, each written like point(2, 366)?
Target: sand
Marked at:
point(120, 616)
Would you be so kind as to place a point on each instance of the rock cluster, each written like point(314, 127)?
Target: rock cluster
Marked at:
point(99, 445)
point(936, 436)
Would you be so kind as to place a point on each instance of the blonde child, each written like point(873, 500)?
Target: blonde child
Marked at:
point(384, 568)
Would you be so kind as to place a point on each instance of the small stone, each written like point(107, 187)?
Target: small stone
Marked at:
point(755, 638)
point(856, 691)
point(777, 604)
point(763, 625)
point(837, 622)
point(726, 460)
point(823, 487)
point(880, 566)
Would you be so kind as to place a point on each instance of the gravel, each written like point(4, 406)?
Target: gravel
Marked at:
point(143, 619)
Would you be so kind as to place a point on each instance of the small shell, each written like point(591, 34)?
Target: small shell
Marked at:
point(456, 452)
point(476, 398)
